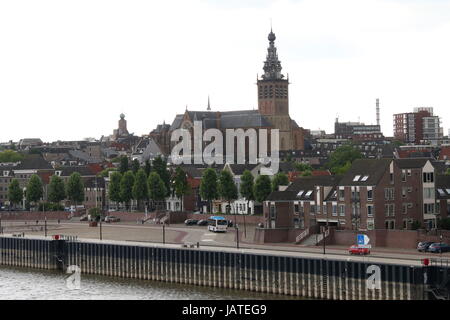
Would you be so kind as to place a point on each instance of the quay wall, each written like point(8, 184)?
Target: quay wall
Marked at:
point(265, 273)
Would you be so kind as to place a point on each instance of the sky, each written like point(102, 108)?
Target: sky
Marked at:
point(69, 68)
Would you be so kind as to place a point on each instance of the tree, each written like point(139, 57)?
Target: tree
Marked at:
point(180, 184)
point(160, 167)
point(105, 173)
point(15, 193)
point(114, 187)
point(156, 187)
point(75, 188)
point(56, 189)
point(447, 172)
point(10, 156)
point(280, 179)
point(147, 168)
point(227, 188)
point(140, 187)
point(341, 159)
point(247, 187)
point(343, 169)
point(300, 166)
point(34, 189)
point(135, 166)
point(123, 166)
point(415, 225)
point(307, 173)
point(208, 186)
point(263, 187)
point(444, 223)
point(95, 214)
point(126, 187)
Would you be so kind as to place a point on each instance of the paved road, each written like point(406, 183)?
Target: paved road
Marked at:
point(179, 233)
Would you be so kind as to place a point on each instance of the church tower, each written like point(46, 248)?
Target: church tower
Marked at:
point(273, 96)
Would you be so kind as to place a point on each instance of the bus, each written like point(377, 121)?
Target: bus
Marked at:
point(217, 224)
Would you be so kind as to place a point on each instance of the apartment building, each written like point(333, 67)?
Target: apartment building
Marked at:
point(373, 194)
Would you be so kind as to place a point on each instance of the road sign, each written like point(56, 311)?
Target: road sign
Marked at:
point(362, 239)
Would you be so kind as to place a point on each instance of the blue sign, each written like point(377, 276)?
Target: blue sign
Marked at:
point(362, 239)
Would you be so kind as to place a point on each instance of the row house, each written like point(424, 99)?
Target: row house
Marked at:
point(241, 205)
point(373, 194)
point(303, 203)
point(22, 171)
point(443, 195)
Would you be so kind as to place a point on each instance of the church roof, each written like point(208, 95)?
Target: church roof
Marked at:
point(226, 120)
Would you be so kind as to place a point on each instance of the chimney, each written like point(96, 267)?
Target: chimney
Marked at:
point(378, 111)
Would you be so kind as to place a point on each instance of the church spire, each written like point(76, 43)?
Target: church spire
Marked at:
point(272, 66)
point(209, 106)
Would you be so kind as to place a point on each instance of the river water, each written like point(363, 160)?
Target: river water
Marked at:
point(31, 284)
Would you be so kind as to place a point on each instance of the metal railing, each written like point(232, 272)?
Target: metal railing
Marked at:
point(302, 236)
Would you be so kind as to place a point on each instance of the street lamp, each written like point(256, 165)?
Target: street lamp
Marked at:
point(24, 198)
point(237, 236)
point(164, 232)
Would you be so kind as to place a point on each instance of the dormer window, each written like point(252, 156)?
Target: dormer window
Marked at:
point(365, 178)
point(356, 178)
point(308, 194)
point(299, 194)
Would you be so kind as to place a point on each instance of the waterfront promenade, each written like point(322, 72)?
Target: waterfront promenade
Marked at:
point(177, 234)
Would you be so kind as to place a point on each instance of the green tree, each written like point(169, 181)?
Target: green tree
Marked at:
point(75, 188)
point(123, 166)
point(444, 223)
point(208, 186)
point(280, 179)
point(263, 187)
point(415, 225)
point(180, 184)
point(160, 167)
point(140, 187)
point(247, 187)
point(341, 159)
point(126, 187)
point(307, 173)
point(56, 189)
point(114, 187)
point(10, 156)
point(135, 166)
point(95, 214)
point(227, 188)
point(300, 166)
point(147, 168)
point(447, 172)
point(34, 189)
point(156, 187)
point(15, 193)
point(105, 173)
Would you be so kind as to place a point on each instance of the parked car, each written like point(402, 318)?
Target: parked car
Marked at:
point(202, 222)
point(84, 218)
point(358, 250)
point(190, 222)
point(111, 219)
point(423, 246)
point(438, 247)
